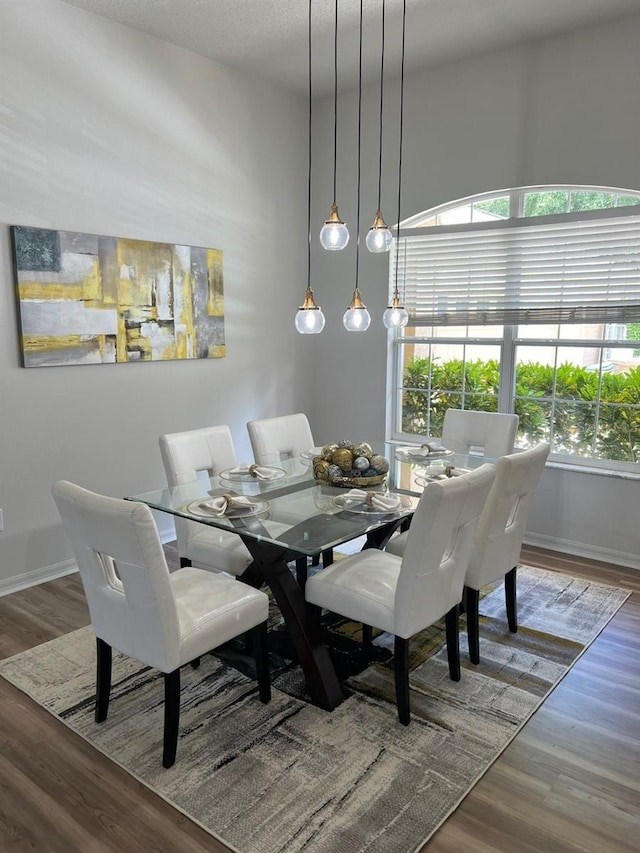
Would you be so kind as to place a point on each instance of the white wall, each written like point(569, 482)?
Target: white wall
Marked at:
point(108, 131)
point(560, 111)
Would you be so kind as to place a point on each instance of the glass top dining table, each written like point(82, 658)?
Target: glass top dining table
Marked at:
point(291, 516)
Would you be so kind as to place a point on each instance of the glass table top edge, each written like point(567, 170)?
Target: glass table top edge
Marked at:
point(300, 487)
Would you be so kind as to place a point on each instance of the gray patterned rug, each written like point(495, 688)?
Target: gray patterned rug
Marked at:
point(290, 777)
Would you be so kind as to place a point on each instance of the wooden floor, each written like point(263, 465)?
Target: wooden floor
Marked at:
point(570, 781)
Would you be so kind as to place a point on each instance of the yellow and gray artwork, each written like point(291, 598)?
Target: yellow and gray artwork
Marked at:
point(85, 299)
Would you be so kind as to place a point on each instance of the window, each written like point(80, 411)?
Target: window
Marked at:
point(526, 300)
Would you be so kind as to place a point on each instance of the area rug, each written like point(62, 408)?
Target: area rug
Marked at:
point(291, 777)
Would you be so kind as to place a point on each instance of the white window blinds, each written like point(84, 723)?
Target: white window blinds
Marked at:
point(556, 270)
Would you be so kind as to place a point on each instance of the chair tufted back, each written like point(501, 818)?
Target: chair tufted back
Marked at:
point(275, 439)
point(437, 549)
point(185, 454)
point(124, 574)
point(493, 433)
point(501, 526)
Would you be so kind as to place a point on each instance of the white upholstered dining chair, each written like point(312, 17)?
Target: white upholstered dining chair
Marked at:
point(284, 437)
point(491, 433)
point(404, 595)
point(185, 455)
point(498, 537)
point(275, 439)
point(138, 607)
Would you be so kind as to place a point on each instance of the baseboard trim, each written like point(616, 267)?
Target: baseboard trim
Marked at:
point(57, 570)
point(578, 549)
point(566, 546)
point(167, 535)
point(37, 576)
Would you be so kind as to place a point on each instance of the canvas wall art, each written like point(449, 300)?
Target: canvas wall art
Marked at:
point(86, 299)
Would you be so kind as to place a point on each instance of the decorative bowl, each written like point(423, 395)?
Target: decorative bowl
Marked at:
point(350, 465)
point(356, 482)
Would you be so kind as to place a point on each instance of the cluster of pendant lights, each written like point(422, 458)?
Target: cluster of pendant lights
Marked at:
point(334, 234)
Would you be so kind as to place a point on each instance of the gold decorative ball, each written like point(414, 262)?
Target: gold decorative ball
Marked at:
point(320, 467)
point(379, 463)
point(363, 449)
point(343, 457)
point(328, 450)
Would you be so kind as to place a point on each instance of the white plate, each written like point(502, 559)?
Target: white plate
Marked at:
point(416, 452)
point(245, 476)
point(423, 478)
point(359, 506)
point(309, 454)
point(257, 508)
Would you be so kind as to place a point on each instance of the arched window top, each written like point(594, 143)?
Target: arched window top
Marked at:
point(539, 254)
point(525, 203)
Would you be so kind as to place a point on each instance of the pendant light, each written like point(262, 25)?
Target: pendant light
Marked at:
point(356, 317)
point(334, 234)
point(396, 314)
point(309, 319)
point(379, 238)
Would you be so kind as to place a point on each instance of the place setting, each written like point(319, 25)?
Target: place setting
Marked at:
point(371, 503)
point(429, 449)
point(308, 455)
point(248, 471)
point(227, 506)
point(423, 476)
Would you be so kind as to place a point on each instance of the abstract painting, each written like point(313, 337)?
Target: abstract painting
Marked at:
point(86, 299)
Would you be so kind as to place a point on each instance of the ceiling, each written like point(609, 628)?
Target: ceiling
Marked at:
point(270, 37)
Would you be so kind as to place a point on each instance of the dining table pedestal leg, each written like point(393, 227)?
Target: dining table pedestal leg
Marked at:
point(271, 561)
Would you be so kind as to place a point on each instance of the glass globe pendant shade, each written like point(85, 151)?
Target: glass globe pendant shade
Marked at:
point(356, 320)
point(356, 317)
point(396, 316)
point(334, 234)
point(379, 237)
point(310, 322)
point(309, 319)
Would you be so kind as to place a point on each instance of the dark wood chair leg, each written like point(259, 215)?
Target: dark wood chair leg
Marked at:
point(103, 679)
point(195, 663)
point(367, 634)
point(171, 716)
point(511, 600)
point(401, 670)
point(184, 562)
point(261, 657)
point(453, 643)
point(462, 607)
point(472, 603)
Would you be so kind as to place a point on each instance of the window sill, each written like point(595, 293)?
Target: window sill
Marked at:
point(587, 469)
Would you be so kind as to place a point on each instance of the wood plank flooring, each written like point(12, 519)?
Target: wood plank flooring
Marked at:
point(570, 781)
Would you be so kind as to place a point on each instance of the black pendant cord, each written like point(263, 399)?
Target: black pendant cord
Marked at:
point(309, 181)
point(335, 103)
point(404, 16)
point(381, 105)
point(359, 141)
